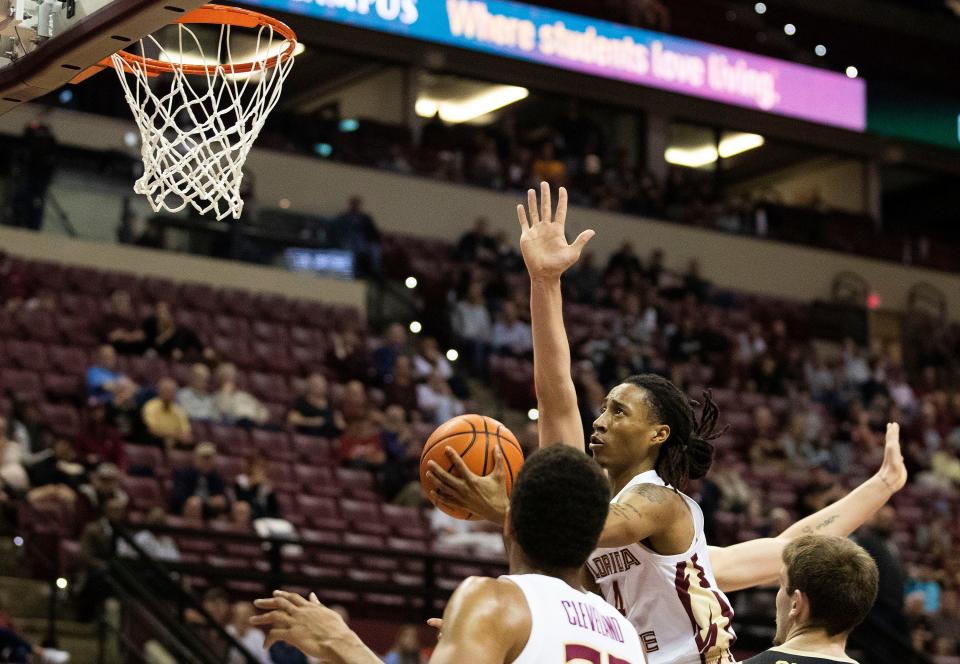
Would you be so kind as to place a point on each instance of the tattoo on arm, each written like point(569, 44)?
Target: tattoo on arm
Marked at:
point(625, 511)
point(820, 526)
point(652, 492)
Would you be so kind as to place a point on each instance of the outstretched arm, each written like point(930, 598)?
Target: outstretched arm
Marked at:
point(547, 256)
point(758, 561)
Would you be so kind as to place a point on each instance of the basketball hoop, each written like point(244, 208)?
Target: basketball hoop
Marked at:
point(198, 113)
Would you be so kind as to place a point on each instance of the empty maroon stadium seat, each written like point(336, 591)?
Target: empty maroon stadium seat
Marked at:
point(30, 355)
point(62, 386)
point(312, 536)
point(321, 513)
point(63, 419)
point(361, 540)
point(312, 449)
point(68, 359)
point(350, 478)
point(368, 576)
point(231, 466)
point(40, 325)
point(145, 456)
point(322, 571)
point(407, 545)
point(364, 517)
point(405, 522)
point(317, 480)
point(230, 439)
point(144, 492)
point(274, 445)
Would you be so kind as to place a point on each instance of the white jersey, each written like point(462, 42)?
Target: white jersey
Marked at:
point(569, 625)
point(672, 601)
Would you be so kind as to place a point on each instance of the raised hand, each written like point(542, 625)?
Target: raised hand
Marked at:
point(483, 495)
point(893, 471)
point(542, 239)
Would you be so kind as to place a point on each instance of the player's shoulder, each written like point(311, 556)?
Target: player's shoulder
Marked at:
point(483, 593)
point(656, 495)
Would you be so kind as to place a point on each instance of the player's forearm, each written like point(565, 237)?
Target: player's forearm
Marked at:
point(350, 650)
point(553, 381)
point(847, 514)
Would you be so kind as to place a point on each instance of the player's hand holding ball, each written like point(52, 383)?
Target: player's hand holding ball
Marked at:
point(468, 466)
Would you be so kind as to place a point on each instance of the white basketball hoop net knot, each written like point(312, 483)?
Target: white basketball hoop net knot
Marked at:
point(200, 114)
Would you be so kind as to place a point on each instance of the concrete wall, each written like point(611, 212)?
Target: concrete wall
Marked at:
point(420, 206)
point(181, 267)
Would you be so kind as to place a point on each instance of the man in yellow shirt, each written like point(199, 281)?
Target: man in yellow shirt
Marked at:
point(165, 420)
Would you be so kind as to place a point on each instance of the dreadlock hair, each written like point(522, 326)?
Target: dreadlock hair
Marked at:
point(686, 454)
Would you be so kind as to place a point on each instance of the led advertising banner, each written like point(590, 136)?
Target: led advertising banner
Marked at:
point(609, 50)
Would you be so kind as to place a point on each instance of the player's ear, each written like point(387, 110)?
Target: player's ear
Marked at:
point(799, 606)
point(660, 434)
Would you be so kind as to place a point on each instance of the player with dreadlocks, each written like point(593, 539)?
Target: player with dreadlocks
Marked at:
point(653, 562)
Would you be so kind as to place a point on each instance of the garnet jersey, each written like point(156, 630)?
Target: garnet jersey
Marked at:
point(569, 625)
point(674, 603)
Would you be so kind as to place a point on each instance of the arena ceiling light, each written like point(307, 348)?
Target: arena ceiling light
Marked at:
point(703, 155)
point(465, 109)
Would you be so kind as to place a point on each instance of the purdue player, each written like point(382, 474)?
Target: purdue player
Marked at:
point(827, 587)
point(653, 562)
point(539, 613)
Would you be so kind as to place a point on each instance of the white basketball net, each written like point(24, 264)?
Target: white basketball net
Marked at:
point(196, 130)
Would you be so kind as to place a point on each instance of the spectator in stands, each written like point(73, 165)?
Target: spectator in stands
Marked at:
point(104, 382)
point(57, 471)
point(400, 388)
point(429, 360)
point(406, 649)
point(820, 491)
point(163, 336)
point(15, 649)
point(154, 236)
point(547, 168)
point(511, 336)
point(476, 244)
point(486, 169)
point(196, 398)
point(625, 260)
point(199, 491)
point(235, 405)
point(15, 283)
point(472, 327)
point(395, 344)
point(350, 359)
point(253, 488)
point(686, 343)
point(458, 532)
point(159, 547)
point(355, 230)
point(312, 413)
point(945, 624)
point(216, 603)
point(120, 327)
point(26, 426)
point(583, 281)
point(92, 498)
point(12, 473)
point(125, 413)
point(99, 441)
point(33, 162)
point(878, 633)
point(166, 421)
point(361, 445)
point(97, 547)
point(251, 638)
point(435, 399)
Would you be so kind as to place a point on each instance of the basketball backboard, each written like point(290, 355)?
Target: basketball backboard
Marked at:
point(44, 44)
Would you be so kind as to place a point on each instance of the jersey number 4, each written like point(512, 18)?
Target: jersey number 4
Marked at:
point(588, 654)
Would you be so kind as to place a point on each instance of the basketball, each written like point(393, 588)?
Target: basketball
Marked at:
point(474, 438)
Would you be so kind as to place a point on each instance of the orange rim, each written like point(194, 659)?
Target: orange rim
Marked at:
point(215, 15)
